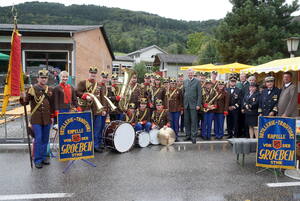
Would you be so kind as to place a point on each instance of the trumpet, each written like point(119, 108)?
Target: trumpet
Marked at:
point(210, 106)
point(111, 105)
point(95, 100)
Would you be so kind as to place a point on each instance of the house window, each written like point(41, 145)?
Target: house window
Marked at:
point(149, 66)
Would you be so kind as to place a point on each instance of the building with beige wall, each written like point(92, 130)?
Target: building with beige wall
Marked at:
point(60, 47)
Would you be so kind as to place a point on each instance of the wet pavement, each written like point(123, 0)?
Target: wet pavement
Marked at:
point(179, 173)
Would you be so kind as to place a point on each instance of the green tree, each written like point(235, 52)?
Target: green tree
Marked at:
point(255, 29)
point(140, 70)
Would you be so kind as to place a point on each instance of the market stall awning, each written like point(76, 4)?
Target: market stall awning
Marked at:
point(4, 57)
point(289, 64)
point(204, 67)
point(233, 67)
point(222, 69)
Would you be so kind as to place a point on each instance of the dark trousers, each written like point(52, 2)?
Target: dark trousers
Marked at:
point(243, 127)
point(232, 123)
point(191, 122)
point(219, 125)
point(207, 124)
point(41, 140)
point(174, 117)
point(114, 117)
point(99, 124)
point(182, 123)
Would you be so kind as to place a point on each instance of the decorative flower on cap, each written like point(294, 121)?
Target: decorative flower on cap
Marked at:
point(157, 77)
point(131, 106)
point(173, 79)
point(93, 69)
point(43, 73)
point(143, 101)
point(104, 74)
point(158, 102)
point(114, 76)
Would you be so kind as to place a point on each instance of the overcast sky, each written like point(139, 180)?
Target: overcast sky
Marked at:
point(182, 10)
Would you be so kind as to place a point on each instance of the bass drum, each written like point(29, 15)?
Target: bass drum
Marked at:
point(154, 136)
point(119, 136)
point(142, 139)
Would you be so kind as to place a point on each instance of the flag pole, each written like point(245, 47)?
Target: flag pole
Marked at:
point(14, 12)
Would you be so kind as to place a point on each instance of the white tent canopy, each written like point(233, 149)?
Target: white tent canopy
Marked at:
point(289, 64)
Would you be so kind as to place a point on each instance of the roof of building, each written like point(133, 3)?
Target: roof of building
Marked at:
point(124, 58)
point(177, 58)
point(58, 29)
point(147, 48)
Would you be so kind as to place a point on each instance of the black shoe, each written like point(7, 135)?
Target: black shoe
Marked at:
point(176, 140)
point(204, 137)
point(98, 150)
point(46, 161)
point(194, 141)
point(38, 165)
point(229, 137)
point(187, 139)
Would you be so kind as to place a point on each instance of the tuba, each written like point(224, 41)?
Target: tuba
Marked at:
point(124, 92)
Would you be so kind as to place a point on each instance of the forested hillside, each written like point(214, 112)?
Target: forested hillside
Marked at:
point(127, 30)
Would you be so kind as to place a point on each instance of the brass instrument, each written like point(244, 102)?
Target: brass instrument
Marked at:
point(87, 103)
point(166, 136)
point(211, 101)
point(111, 105)
point(124, 92)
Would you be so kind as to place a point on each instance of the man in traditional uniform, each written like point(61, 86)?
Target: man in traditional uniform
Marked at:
point(157, 92)
point(175, 105)
point(146, 87)
point(209, 100)
point(160, 116)
point(85, 89)
point(130, 116)
point(268, 104)
point(214, 81)
point(233, 107)
point(40, 100)
point(180, 80)
point(135, 91)
point(117, 114)
point(143, 116)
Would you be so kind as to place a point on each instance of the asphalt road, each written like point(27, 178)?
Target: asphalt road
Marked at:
point(180, 173)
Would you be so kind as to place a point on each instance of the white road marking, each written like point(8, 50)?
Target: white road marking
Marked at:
point(203, 142)
point(36, 196)
point(283, 184)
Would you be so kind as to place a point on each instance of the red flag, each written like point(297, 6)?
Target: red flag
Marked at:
point(15, 64)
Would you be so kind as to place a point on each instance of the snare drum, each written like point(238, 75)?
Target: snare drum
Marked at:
point(119, 136)
point(154, 136)
point(142, 139)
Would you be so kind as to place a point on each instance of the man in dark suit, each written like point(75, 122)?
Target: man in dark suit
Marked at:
point(268, 104)
point(192, 101)
point(233, 107)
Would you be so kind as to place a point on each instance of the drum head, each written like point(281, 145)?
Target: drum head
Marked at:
point(143, 139)
point(124, 137)
point(154, 137)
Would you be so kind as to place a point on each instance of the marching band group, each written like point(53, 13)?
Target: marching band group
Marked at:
point(156, 103)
